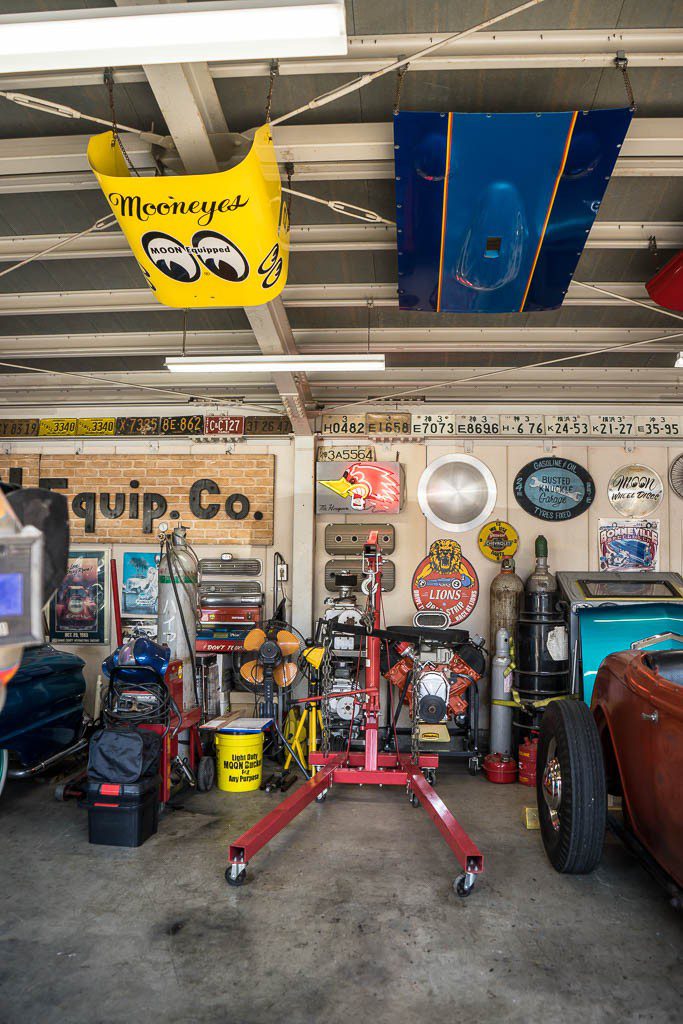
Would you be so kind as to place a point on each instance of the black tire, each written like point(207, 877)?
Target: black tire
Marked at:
point(573, 816)
point(206, 774)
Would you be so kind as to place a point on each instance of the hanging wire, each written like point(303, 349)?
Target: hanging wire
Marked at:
point(99, 225)
point(505, 369)
point(44, 106)
point(346, 209)
point(184, 330)
point(274, 71)
point(371, 303)
point(400, 75)
point(115, 137)
point(363, 80)
point(621, 64)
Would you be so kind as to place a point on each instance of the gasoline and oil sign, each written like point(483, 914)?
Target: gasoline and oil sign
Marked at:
point(202, 239)
point(554, 489)
point(498, 540)
point(446, 581)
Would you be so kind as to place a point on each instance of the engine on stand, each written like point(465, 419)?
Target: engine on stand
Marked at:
point(434, 670)
point(346, 657)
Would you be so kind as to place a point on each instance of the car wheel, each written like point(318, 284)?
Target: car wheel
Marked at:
point(570, 787)
point(4, 765)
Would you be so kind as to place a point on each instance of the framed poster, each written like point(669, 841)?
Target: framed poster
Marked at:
point(628, 545)
point(140, 584)
point(79, 611)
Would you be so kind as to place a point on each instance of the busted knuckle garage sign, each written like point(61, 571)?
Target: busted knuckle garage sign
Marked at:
point(202, 239)
point(554, 489)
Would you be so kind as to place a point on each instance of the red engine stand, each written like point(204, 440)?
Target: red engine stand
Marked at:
point(368, 767)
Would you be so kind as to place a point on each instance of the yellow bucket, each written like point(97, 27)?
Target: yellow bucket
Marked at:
point(239, 761)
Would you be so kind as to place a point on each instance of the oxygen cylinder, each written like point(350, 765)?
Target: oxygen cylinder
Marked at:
point(505, 601)
point(177, 604)
point(542, 649)
point(501, 716)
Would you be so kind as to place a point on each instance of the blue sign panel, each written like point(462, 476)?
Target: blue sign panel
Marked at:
point(493, 210)
point(554, 489)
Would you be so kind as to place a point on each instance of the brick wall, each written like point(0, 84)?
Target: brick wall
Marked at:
point(170, 476)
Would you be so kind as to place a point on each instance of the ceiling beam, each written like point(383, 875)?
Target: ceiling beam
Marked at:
point(588, 48)
point(323, 152)
point(558, 386)
point(341, 339)
point(297, 296)
point(345, 237)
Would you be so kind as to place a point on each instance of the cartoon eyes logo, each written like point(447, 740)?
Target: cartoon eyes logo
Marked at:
point(170, 257)
point(270, 267)
point(214, 251)
point(221, 256)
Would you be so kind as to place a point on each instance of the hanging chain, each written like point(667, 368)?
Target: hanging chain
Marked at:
point(400, 75)
point(274, 70)
point(116, 138)
point(326, 689)
point(621, 64)
point(415, 724)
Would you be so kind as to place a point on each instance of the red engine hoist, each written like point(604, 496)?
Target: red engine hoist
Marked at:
point(368, 767)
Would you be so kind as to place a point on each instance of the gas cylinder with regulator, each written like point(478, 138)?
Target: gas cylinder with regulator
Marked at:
point(177, 606)
point(542, 654)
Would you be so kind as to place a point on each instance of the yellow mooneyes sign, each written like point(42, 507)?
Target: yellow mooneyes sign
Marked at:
point(202, 239)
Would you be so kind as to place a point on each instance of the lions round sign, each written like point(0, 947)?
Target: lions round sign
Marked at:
point(445, 581)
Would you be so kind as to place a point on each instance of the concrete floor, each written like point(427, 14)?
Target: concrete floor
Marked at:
point(348, 916)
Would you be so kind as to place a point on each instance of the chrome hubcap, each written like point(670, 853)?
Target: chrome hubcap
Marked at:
point(552, 785)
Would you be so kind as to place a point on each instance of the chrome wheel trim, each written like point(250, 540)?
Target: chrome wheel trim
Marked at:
point(552, 785)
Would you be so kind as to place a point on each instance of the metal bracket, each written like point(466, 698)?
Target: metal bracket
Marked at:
point(547, 444)
point(468, 447)
point(629, 446)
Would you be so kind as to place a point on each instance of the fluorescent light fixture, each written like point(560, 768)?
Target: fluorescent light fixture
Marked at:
point(172, 33)
point(276, 364)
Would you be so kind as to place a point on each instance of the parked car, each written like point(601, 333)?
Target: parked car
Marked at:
point(628, 743)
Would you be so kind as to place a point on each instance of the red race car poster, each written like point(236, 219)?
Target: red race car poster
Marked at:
point(78, 612)
point(446, 581)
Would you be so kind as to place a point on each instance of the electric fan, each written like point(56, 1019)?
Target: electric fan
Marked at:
point(272, 656)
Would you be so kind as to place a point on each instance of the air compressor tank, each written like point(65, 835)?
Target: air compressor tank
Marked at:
point(177, 606)
point(541, 655)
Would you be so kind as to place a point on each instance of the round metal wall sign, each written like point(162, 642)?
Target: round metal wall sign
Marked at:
point(446, 581)
point(676, 475)
point(635, 491)
point(498, 540)
point(457, 493)
point(554, 489)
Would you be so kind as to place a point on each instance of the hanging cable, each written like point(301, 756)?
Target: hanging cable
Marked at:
point(363, 80)
point(99, 225)
point(44, 106)
point(628, 299)
point(206, 400)
point(505, 369)
point(621, 64)
point(346, 209)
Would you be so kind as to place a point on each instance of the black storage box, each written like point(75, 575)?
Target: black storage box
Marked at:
point(122, 814)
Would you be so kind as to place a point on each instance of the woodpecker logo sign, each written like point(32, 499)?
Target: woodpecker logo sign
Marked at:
point(202, 239)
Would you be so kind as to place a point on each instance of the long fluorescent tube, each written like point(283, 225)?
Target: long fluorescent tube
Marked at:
point(273, 364)
point(171, 33)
